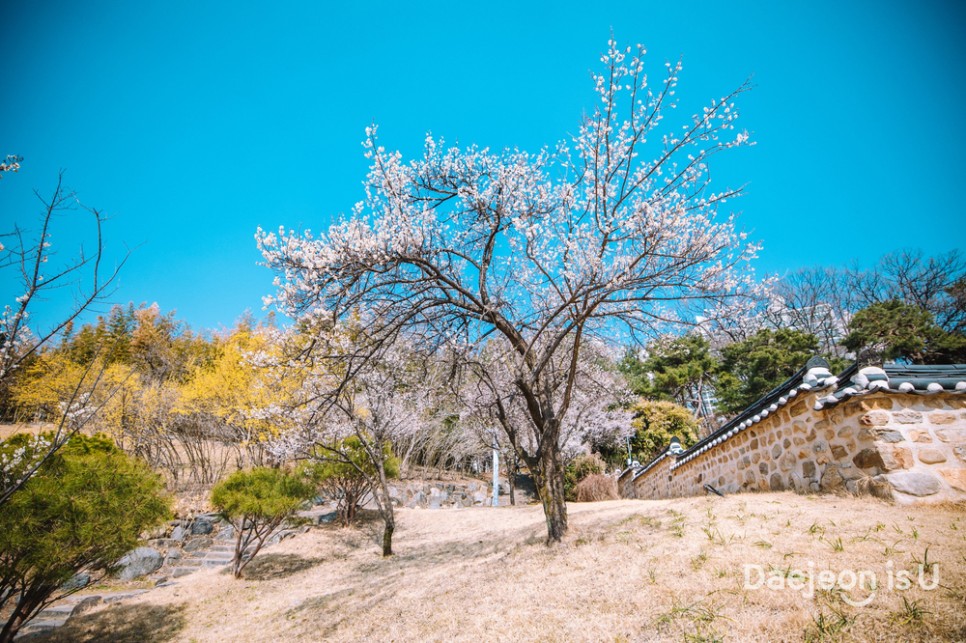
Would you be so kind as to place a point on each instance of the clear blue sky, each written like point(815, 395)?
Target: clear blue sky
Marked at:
point(191, 123)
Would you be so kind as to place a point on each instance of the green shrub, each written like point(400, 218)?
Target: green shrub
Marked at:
point(84, 508)
point(347, 473)
point(655, 423)
point(255, 503)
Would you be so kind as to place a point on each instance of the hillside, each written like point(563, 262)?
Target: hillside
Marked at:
point(629, 570)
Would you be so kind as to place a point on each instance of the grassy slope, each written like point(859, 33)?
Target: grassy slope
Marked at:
point(629, 570)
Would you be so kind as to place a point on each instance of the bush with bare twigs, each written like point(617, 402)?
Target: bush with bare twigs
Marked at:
point(597, 487)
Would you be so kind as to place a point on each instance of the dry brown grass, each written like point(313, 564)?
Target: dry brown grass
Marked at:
point(628, 570)
point(596, 487)
point(33, 428)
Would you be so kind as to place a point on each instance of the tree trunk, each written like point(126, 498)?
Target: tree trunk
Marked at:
point(23, 611)
point(512, 468)
point(236, 560)
point(548, 474)
point(390, 526)
point(384, 502)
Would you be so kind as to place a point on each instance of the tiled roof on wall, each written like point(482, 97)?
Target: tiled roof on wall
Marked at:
point(815, 376)
point(900, 378)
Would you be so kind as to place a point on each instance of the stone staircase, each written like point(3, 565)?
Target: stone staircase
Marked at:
point(57, 614)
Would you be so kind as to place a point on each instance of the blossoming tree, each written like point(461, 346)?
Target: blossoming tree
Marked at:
point(593, 238)
point(356, 397)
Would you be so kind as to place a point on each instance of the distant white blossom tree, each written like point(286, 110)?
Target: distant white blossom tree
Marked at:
point(353, 388)
point(544, 251)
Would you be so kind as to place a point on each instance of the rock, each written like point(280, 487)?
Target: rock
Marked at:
point(894, 457)
point(808, 469)
point(178, 533)
point(839, 452)
point(887, 435)
point(907, 416)
point(196, 544)
point(775, 483)
point(799, 484)
point(86, 604)
point(325, 519)
point(875, 418)
point(78, 580)
point(139, 562)
point(155, 533)
point(279, 536)
point(951, 435)
point(868, 459)
point(942, 417)
point(227, 532)
point(931, 456)
point(913, 483)
point(202, 525)
point(955, 477)
point(832, 480)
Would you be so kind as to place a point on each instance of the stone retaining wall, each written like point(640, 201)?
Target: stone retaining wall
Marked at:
point(441, 494)
point(908, 447)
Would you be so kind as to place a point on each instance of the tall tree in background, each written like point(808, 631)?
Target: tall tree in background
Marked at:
point(543, 250)
point(822, 300)
point(676, 369)
point(751, 368)
point(894, 330)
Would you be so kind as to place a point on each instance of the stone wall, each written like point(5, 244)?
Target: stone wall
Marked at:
point(911, 448)
point(438, 494)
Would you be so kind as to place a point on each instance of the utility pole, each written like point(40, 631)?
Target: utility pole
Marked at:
point(496, 474)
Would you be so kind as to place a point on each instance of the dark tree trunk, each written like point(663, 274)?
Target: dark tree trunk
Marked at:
point(23, 611)
point(384, 501)
point(240, 543)
point(390, 526)
point(548, 475)
point(513, 467)
point(512, 484)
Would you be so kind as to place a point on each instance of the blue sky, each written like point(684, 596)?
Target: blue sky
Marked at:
point(189, 124)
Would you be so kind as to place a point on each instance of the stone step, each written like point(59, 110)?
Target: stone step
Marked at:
point(183, 571)
point(41, 625)
point(223, 548)
point(56, 611)
point(217, 560)
point(113, 597)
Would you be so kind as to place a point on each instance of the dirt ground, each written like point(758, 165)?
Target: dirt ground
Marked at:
point(701, 569)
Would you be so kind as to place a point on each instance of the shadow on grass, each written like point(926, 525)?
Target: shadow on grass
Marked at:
point(274, 566)
point(120, 624)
